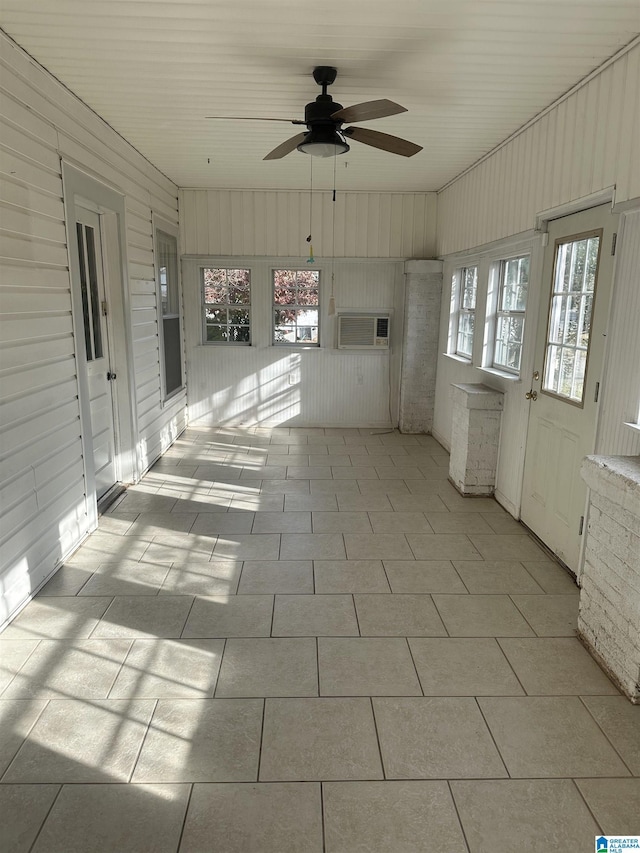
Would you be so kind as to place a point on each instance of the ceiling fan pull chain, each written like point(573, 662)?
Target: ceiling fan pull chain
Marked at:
point(332, 298)
point(310, 259)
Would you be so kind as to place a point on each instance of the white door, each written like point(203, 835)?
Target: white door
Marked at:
point(574, 307)
point(99, 373)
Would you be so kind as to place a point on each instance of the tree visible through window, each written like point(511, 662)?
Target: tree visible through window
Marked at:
point(467, 292)
point(296, 299)
point(226, 295)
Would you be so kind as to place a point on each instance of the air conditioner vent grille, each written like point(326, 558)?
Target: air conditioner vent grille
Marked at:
point(363, 331)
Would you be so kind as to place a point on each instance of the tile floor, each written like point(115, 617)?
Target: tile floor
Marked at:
point(305, 640)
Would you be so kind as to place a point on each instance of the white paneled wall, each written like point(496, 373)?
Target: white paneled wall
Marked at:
point(297, 386)
point(621, 383)
point(264, 223)
point(44, 512)
point(585, 143)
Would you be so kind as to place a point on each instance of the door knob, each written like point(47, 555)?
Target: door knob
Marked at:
point(110, 376)
point(536, 375)
point(531, 395)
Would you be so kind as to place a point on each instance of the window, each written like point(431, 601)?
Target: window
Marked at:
point(513, 283)
point(467, 293)
point(169, 298)
point(89, 290)
point(296, 297)
point(567, 348)
point(226, 301)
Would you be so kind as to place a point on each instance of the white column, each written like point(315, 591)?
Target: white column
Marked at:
point(475, 436)
point(423, 291)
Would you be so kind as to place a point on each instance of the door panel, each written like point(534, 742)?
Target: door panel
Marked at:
point(97, 349)
point(569, 353)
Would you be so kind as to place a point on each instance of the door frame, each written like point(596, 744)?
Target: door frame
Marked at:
point(85, 189)
point(542, 220)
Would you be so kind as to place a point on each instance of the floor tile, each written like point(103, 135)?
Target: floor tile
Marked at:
point(319, 739)
point(620, 721)
point(13, 654)
point(169, 669)
point(123, 818)
point(549, 615)
point(178, 552)
point(126, 579)
point(308, 503)
point(148, 524)
point(265, 546)
point(281, 817)
point(377, 546)
point(276, 576)
point(68, 580)
point(144, 616)
point(380, 817)
point(202, 577)
point(552, 577)
point(435, 738)
point(334, 487)
point(458, 522)
point(286, 487)
point(364, 503)
point(399, 522)
point(463, 667)
point(412, 503)
point(503, 523)
point(481, 616)
point(117, 523)
point(398, 616)
point(348, 576)
point(56, 618)
point(509, 547)
point(441, 546)
point(257, 503)
point(202, 740)
point(496, 577)
point(282, 522)
point(615, 803)
point(549, 736)
point(556, 667)
point(314, 616)
point(69, 669)
point(263, 472)
point(23, 809)
point(380, 666)
point(422, 576)
point(384, 487)
point(341, 522)
point(309, 472)
point(542, 815)
point(223, 522)
point(312, 546)
point(74, 741)
point(455, 502)
point(230, 616)
point(269, 667)
point(17, 716)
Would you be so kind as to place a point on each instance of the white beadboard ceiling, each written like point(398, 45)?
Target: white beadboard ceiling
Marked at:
point(470, 72)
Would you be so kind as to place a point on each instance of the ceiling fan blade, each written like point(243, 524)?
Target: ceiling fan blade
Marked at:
point(384, 141)
point(369, 110)
point(285, 147)
point(257, 118)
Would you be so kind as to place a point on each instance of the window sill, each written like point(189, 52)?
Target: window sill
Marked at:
point(503, 374)
point(458, 358)
point(634, 427)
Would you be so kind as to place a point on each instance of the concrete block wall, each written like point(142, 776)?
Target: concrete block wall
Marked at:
point(423, 296)
point(609, 619)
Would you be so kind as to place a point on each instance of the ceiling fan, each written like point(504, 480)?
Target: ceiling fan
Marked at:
point(324, 117)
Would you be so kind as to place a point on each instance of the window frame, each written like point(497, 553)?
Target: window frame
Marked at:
point(461, 311)
point(226, 305)
point(297, 307)
point(170, 230)
point(497, 280)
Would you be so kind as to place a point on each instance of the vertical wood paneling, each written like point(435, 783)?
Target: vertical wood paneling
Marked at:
point(40, 436)
point(585, 143)
point(620, 402)
point(262, 222)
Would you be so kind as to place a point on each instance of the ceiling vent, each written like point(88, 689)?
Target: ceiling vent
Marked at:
point(363, 331)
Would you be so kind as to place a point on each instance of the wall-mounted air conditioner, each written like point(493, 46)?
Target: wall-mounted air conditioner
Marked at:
point(363, 331)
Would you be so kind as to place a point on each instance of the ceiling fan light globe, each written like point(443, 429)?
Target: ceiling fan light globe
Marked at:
point(323, 142)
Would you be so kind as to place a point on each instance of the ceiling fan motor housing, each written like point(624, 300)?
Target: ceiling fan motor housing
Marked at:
point(321, 110)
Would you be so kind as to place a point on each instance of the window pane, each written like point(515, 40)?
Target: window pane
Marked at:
point(297, 291)
point(224, 291)
point(84, 292)
point(465, 334)
point(469, 287)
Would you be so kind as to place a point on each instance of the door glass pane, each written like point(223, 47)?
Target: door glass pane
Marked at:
point(569, 327)
point(83, 289)
point(93, 290)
